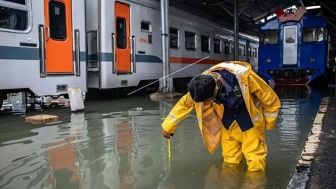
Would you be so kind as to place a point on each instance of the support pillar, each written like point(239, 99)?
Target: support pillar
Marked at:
point(236, 31)
point(165, 84)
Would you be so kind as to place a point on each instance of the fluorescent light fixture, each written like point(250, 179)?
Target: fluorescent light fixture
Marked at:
point(313, 7)
point(271, 16)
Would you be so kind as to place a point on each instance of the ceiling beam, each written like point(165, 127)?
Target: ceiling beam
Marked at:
point(225, 9)
point(244, 7)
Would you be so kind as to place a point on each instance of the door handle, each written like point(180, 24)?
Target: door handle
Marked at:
point(47, 33)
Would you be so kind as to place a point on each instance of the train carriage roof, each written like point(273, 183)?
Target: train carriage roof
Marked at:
point(251, 12)
point(308, 20)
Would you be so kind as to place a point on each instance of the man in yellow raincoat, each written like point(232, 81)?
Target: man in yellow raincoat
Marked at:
point(234, 107)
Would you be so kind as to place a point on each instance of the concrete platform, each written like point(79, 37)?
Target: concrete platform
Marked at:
point(323, 168)
point(317, 165)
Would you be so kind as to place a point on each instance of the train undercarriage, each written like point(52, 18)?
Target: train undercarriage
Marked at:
point(284, 77)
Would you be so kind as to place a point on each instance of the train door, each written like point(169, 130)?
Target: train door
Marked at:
point(123, 47)
point(290, 45)
point(59, 38)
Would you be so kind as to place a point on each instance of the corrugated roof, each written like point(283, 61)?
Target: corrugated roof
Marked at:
point(252, 11)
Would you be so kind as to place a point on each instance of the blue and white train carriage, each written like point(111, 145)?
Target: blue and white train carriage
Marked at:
point(293, 48)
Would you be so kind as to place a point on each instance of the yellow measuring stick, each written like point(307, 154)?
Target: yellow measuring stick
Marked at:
point(169, 152)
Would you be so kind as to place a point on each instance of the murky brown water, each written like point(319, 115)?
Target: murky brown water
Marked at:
point(118, 144)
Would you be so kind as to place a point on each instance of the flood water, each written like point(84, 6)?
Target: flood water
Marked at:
point(117, 143)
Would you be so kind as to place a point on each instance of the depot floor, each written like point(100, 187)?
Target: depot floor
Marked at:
point(117, 143)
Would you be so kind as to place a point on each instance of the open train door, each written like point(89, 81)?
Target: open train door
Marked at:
point(58, 37)
point(123, 47)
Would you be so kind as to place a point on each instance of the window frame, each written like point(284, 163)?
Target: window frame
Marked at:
point(27, 7)
point(15, 2)
point(178, 38)
point(232, 46)
point(325, 34)
point(150, 27)
point(219, 45)
point(185, 41)
point(207, 38)
point(51, 21)
point(263, 40)
point(124, 32)
point(244, 50)
point(227, 47)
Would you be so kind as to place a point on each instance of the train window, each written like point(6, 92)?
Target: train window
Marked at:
point(227, 49)
point(173, 38)
point(290, 35)
point(217, 45)
point(249, 52)
point(231, 47)
point(150, 39)
point(57, 20)
point(14, 16)
point(190, 40)
point(92, 52)
point(22, 2)
point(269, 37)
point(242, 50)
point(121, 33)
point(146, 26)
point(205, 43)
point(314, 34)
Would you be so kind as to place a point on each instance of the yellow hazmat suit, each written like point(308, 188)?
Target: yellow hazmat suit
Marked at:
point(262, 104)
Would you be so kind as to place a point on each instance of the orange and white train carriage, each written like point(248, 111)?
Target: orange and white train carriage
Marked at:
point(42, 46)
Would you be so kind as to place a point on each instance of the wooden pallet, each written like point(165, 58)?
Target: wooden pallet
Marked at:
point(41, 119)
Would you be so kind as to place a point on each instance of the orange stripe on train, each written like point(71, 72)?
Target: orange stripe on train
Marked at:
point(184, 60)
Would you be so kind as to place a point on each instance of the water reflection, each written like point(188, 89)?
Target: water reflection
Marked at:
point(299, 107)
point(125, 145)
point(48, 160)
point(230, 176)
point(62, 161)
point(62, 156)
point(293, 92)
point(121, 151)
point(294, 101)
point(120, 146)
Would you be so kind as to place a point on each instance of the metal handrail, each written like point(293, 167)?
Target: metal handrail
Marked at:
point(133, 55)
point(42, 51)
point(113, 54)
point(77, 53)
